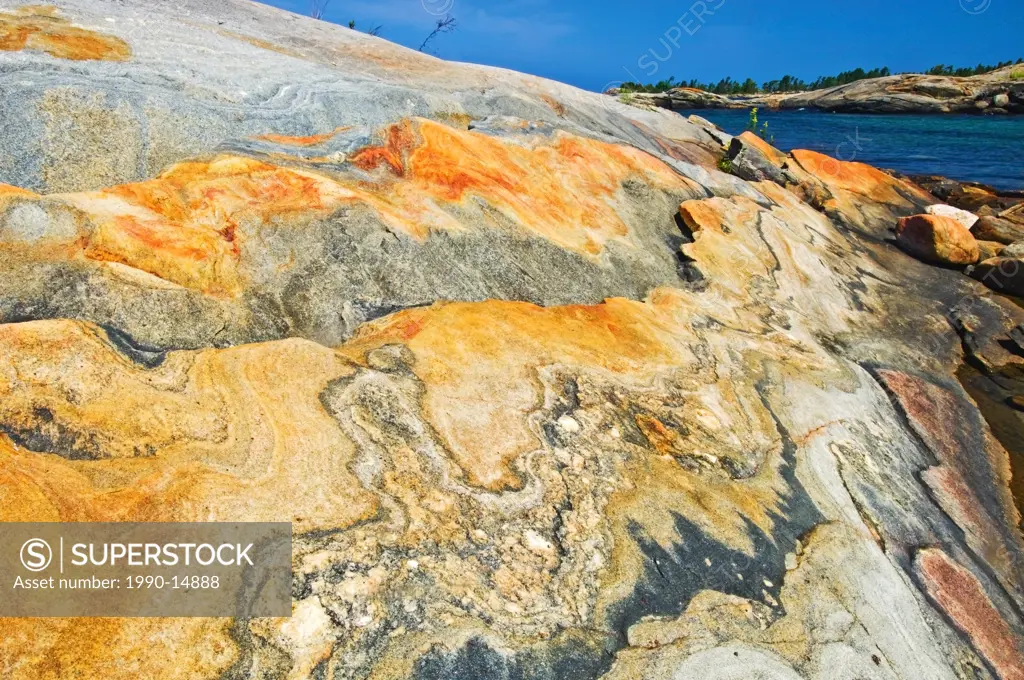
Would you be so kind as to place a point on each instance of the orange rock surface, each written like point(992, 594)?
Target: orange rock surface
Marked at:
point(469, 401)
point(307, 140)
point(208, 435)
point(856, 178)
point(542, 391)
point(39, 27)
point(562, 189)
point(188, 225)
point(937, 239)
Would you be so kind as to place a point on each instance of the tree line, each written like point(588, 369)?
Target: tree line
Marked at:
point(728, 86)
point(943, 70)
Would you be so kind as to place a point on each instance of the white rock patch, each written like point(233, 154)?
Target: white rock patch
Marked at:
point(962, 216)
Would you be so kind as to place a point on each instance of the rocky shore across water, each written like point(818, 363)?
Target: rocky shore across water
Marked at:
point(998, 92)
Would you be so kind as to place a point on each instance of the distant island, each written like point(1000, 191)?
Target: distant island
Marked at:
point(788, 83)
point(997, 89)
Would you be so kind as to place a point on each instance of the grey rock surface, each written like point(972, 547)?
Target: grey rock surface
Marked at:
point(540, 390)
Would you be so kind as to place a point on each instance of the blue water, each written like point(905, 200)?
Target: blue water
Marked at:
point(987, 149)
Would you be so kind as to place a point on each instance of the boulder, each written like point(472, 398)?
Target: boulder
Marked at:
point(1014, 214)
point(962, 216)
point(754, 160)
point(990, 249)
point(838, 188)
point(990, 228)
point(1015, 249)
point(938, 239)
point(1002, 274)
point(1001, 100)
point(971, 196)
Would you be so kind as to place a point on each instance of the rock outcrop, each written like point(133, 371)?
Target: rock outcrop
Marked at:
point(989, 249)
point(937, 238)
point(542, 391)
point(1000, 230)
point(990, 93)
point(751, 158)
point(1003, 273)
point(965, 218)
point(972, 196)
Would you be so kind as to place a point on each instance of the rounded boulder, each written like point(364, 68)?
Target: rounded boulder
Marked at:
point(937, 239)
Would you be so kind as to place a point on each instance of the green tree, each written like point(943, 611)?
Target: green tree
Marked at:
point(790, 83)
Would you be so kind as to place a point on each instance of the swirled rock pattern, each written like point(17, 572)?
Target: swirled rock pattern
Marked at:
point(543, 393)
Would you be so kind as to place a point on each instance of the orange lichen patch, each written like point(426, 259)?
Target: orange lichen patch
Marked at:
point(479, 363)
point(176, 649)
point(858, 178)
point(9, 193)
point(859, 195)
point(232, 435)
point(958, 593)
point(562, 189)
point(177, 253)
point(39, 28)
point(311, 140)
point(187, 224)
point(399, 140)
point(664, 440)
point(7, 190)
point(700, 215)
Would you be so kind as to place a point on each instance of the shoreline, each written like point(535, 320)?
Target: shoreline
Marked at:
point(999, 93)
point(967, 149)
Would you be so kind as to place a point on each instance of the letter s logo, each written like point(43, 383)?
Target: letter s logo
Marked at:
point(36, 554)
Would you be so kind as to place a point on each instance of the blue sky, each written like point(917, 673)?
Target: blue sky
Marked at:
point(591, 43)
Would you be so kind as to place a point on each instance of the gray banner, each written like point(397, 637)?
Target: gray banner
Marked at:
point(145, 569)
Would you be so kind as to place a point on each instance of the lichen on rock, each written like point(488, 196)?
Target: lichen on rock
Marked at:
point(542, 392)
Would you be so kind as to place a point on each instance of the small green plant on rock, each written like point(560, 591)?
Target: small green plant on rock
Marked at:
point(627, 98)
point(1017, 75)
point(761, 131)
point(724, 164)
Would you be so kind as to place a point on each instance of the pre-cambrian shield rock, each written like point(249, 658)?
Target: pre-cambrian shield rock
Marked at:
point(543, 393)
